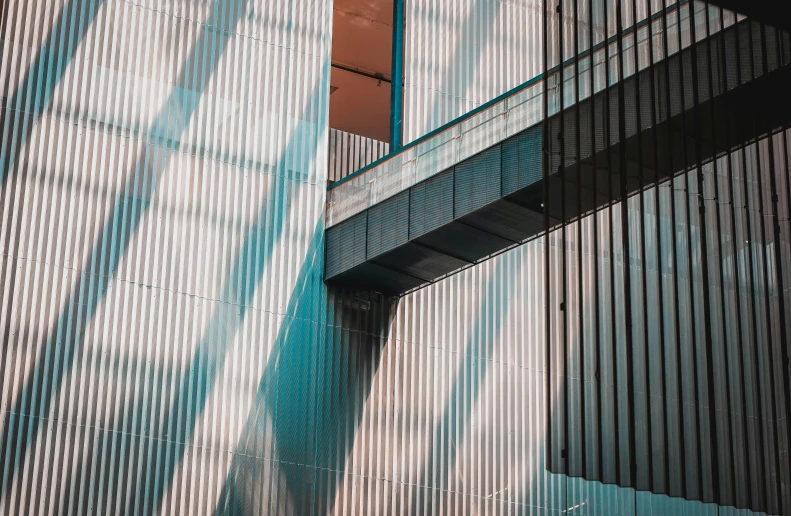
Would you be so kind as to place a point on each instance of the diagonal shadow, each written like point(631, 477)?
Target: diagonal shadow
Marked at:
point(467, 385)
point(60, 349)
point(246, 274)
point(464, 61)
point(20, 113)
point(298, 333)
point(42, 77)
point(202, 371)
point(314, 413)
point(195, 386)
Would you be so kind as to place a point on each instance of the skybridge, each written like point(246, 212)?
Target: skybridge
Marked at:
point(522, 165)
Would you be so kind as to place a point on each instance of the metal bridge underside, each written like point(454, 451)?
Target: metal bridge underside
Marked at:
point(494, 200)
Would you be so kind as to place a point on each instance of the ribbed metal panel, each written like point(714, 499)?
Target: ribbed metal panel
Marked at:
point(166, 342)
point(388, 224)
point(521, 157)
point(685, 396)
point(351, 152)
point(477, 182)
point(347, 244)
point(162, 184)
point(431, 204)
point(462, 53)
point(478, 49)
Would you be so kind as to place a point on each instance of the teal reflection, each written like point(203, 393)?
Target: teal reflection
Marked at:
point(34, 93)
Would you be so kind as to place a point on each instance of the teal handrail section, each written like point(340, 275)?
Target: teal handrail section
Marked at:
point(506, 115)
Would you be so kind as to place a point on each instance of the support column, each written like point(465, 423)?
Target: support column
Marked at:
point(397, 81)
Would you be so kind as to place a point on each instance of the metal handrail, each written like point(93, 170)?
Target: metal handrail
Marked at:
point(454, 125)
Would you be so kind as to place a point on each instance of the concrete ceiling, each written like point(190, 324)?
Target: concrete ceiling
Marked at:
point(361, 40)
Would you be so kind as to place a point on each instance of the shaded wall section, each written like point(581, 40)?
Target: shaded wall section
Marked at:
point(668, 315)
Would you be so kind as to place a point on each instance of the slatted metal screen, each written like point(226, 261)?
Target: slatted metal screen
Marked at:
point(350, 152)
point(668, 310)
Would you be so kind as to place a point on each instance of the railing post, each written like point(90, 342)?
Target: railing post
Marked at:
point(397, 80)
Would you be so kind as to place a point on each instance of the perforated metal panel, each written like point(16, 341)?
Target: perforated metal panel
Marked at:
point(521, 160)
point(431, 204)
point(346, 245)
point(388, 224)
point(477, 181)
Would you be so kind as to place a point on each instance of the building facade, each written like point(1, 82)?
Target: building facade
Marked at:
point(168, 344)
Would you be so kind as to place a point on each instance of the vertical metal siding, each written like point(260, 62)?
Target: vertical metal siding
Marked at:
point(167, 345)
point(438, 90)
point(462, 53)
point(351, 152)
point(163, 171)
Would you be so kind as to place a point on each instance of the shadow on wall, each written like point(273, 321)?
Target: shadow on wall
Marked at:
point(311, 398)
point(45, 73)
point(33, 95)
point(58, 356)
point(68, 333)
point(480, 18)
point(457, 416)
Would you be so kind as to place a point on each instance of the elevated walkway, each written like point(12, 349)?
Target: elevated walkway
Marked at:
point(479, 185)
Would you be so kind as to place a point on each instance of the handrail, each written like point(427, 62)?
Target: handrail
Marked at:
point(448, 145)
point(513, 91)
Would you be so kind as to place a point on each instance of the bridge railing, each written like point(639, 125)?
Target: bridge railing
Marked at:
point(516, 110)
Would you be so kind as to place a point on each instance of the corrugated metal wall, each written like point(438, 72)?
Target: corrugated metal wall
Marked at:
point(482, 412)
point(687, 396)
point(456, 417)
point(351, 152)
point(167, 344)
point(163, 172)
point(461, 53)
